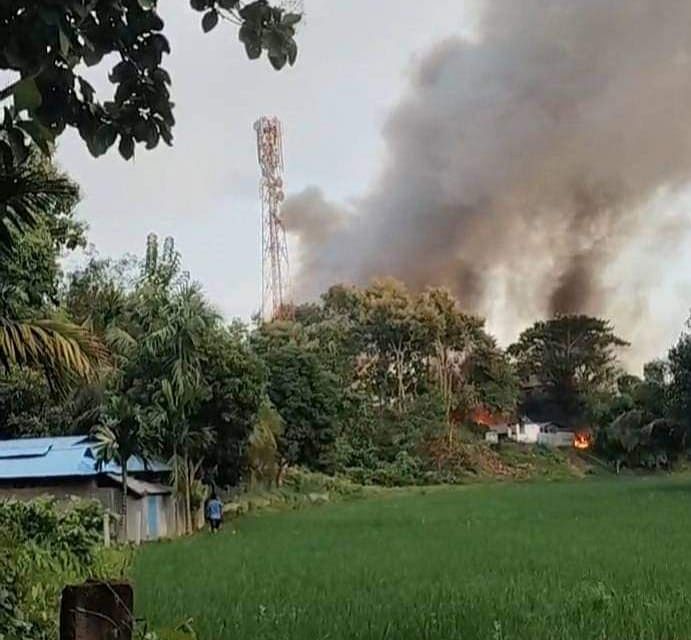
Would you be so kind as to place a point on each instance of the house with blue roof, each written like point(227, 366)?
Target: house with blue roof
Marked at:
point(66, 467)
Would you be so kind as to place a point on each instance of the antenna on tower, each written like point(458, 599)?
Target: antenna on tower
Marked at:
point(275, 304)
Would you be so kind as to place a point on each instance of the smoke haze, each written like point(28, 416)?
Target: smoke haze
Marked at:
point(522, 165)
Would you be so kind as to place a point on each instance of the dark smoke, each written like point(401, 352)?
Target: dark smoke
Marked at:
point(519, 165)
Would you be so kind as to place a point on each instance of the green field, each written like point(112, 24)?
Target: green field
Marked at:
point(592, 559)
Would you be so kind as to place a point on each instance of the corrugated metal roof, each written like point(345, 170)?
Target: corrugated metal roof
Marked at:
point(58, 457)
point(141, 487)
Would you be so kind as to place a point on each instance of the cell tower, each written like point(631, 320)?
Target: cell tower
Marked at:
point(275, 273)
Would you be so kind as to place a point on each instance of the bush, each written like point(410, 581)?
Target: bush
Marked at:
point(405, 470)
point(74, 530)
point(304, 482)
point(43, 547)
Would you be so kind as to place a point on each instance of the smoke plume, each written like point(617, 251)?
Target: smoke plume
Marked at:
point(520, 165)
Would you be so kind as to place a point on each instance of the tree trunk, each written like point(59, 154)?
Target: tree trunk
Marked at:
point(282, 468)
point(188, 496)
point(176, 486)
point(123, 505)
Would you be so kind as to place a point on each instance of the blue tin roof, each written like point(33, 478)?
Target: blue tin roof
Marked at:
point(58, 458)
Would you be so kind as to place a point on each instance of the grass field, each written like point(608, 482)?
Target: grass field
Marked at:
point(592, 559)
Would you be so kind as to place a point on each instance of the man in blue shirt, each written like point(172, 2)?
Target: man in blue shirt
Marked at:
point(214, 512)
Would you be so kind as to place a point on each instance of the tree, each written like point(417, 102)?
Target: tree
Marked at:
point(28, 408)
point(170, 415)
point(303, 391)
point(96, 295)
point(202, 383)
point(235, 380)
point(466, 364)
point(48, 43)
point(34, 195)
point(566, 358)
point(120, 438)
point(680, 383)
point(494, 378)
point(160, 362)
point(262, 446)
point(30, 270)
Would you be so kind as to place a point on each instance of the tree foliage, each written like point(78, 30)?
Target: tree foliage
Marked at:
point(303, 391)
point(48, 44)
point(35, 223)
point(564, 360)
point(33, 193)
point(379, 382)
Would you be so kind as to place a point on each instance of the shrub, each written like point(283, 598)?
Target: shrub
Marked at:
point(42, 548)
point(74, 530)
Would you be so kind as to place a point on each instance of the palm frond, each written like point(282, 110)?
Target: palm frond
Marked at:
point(120, 340)
point(107, 447)
point(26, 192)
point(63, 350)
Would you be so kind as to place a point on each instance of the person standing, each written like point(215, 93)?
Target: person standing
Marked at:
point(214, 512)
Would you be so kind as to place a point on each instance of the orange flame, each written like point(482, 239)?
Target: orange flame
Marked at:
point(480, 415)
point(581, 441)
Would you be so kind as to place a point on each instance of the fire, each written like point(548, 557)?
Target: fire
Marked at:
point(480, 415)
point(581, 441)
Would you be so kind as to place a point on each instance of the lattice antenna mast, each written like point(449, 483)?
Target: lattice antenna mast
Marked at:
point(275, 272)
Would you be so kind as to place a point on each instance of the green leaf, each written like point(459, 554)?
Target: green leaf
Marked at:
point(106, 135)
point(86, 89)
point(253, 49)
point(147, 4)
point(228, 4)
point(126, 146)
point(166, 133)
point(292, 52)
point(291, 18)
point(92, 56)
point(20, 148)
point(210, 20)
point(26, 95)
point(199, 5)
point(65, 44)
point(41, 136)
point(278, 59)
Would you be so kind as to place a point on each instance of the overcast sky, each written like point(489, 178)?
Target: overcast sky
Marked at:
point(353, 64)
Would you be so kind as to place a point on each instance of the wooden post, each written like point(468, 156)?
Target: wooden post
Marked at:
point(97, 610)
point(138, 537)
point(106, 529)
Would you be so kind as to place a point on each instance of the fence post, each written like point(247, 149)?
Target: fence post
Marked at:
point(106, 529)
point(97, 610)
point(138, 537)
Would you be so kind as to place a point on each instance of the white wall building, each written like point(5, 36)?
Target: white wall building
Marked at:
point(554, 436)
point(526, 431)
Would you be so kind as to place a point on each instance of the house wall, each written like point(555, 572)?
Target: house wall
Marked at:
point(492, 437)
point(139, 527)
point(526, 433)
point(150, 518)
point(556, 440)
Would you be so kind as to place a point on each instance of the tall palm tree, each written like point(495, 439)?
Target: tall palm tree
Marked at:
point(177, 341)
point(64, 351)
point(120, 438)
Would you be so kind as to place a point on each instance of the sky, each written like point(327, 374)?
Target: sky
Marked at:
point(354, 60)
point(355, 64)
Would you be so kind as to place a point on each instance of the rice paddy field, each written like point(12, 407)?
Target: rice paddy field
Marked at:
point(597, 559)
